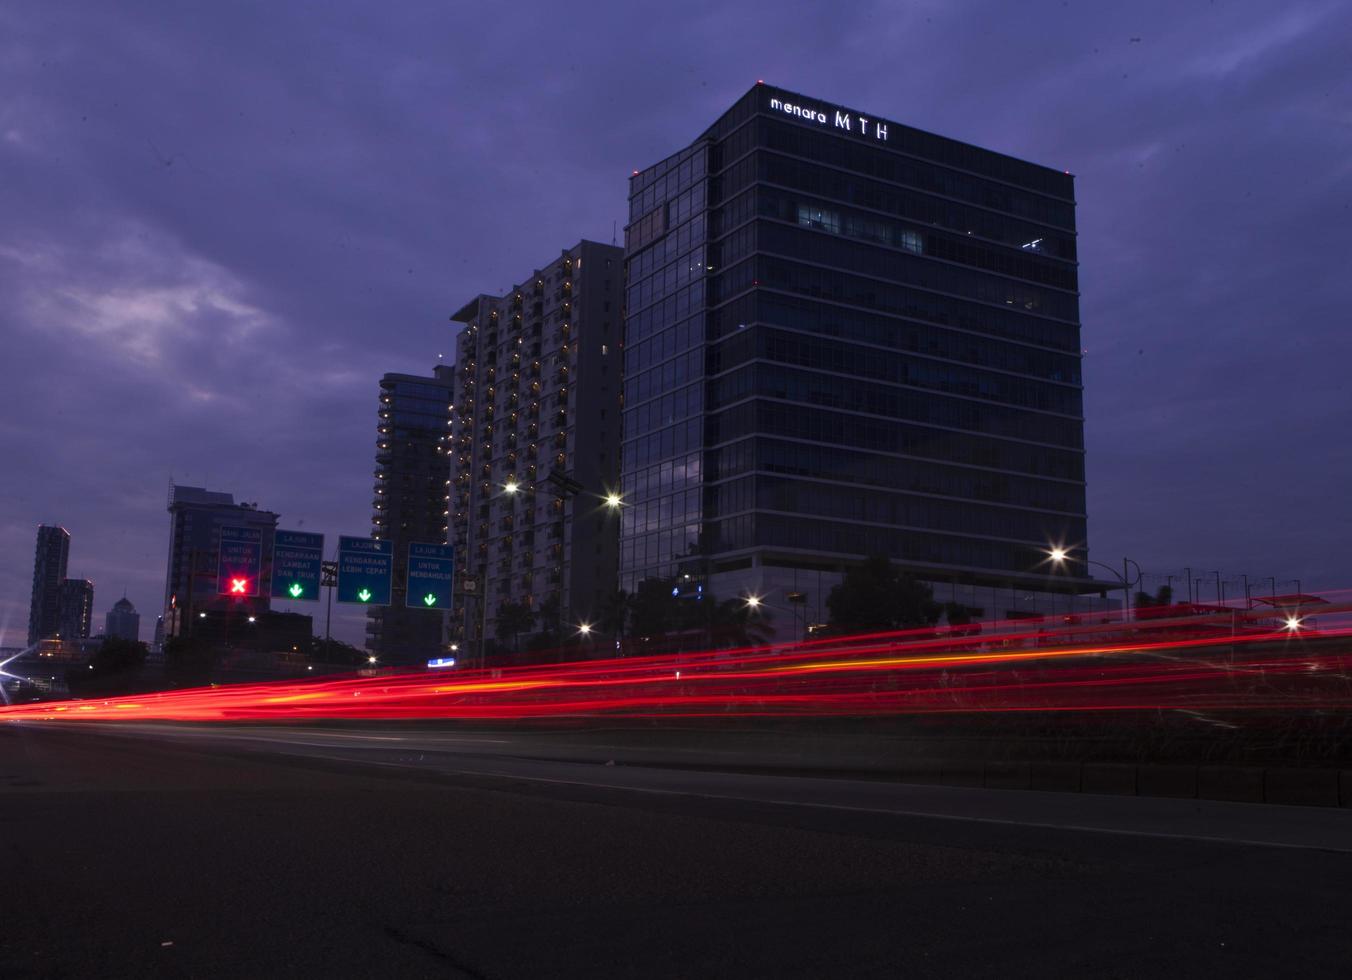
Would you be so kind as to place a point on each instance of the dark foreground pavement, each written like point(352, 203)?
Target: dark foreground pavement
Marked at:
point(210, 857)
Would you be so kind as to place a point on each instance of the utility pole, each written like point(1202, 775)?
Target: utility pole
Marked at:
point(328, 578)
point(1188, 569)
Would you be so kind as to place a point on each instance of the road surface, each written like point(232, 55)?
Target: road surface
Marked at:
point(235, 851)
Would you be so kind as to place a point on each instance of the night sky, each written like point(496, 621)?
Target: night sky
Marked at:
point(220, 225)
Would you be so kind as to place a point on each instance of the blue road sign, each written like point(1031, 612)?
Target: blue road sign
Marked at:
point(365, 569)
point(430, 569)
point(296, 559)
point(239, 561)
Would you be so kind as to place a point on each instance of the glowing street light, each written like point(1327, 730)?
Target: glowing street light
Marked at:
point(1293, 623)
point(613, 501)
point(584, 628)
point(510, 487)
point(371, 659)
point(1057, 555)
point(753, 602)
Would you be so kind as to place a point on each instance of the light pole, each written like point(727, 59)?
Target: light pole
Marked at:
point(565, 488)
point(1060, 556)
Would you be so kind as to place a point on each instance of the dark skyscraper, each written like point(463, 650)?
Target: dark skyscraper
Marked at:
point(77, 608)
point(196, 517)
point(412, 473)
point(122, 621)
point(49, 571)
point(845, 337)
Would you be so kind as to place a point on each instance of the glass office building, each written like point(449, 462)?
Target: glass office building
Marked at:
point(845, 336)
point(412, 478)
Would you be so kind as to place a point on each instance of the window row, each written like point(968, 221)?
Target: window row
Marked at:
point(667, 248)
point(903, 268)
point(812, 391)
point(657, 444)
point(849, 223)
point(961, 219)
point(871, 161)
point(899, 473)
point(871, 294)
point(844, 324)
point(882, 435)
point(665, 378)
point(644, 348)
point(888, 509)
point(905, 369)
point(857, 540)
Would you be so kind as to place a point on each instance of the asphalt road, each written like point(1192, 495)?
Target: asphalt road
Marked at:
point(237, 852)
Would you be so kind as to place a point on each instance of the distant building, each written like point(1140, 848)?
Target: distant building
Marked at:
point(412, 473)
point(535, 441)
point(77, 608)
point(123, 621)
point(49, 571)
point(196, 516)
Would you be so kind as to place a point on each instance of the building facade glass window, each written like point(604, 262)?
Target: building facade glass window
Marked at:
point(841, 342)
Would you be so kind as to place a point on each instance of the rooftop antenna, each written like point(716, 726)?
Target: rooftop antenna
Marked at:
point(614, 230)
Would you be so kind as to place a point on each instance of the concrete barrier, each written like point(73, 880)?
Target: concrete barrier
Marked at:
point(1233, 783)
point(1302, 787)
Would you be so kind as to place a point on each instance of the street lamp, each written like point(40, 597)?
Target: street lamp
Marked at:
point(584, 629)
point(613, 501)
point(1060, 556)
point(753, 602)
point(371, 659)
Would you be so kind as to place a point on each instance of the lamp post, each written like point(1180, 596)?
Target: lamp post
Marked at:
point(565, 488)
point(1060, 556)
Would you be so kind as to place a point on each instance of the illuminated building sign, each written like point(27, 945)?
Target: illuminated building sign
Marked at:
point(239, 561)
point(851, 122)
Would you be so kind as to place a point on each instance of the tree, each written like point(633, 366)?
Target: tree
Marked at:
point(513, 619)
point(114, 668)
point(736, 624)
point(876, 595)
point(653, 610)
point(614, 614)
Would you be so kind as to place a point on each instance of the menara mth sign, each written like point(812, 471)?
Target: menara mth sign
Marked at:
point(851, 122)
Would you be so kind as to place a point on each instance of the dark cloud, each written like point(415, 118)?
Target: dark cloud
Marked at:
point(223, 222)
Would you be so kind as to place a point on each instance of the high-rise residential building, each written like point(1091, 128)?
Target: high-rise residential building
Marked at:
point(49, 571)
point(123, 621)
point(196, 516)
point(77, 608)
point(535, 442)
point(844, 337)
point(411, 485)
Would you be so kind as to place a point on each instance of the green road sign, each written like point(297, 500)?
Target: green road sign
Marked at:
point(296, 559)
point(431, 568)
point(365, 570)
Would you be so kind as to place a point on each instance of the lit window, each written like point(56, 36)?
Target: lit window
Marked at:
point(819, 218)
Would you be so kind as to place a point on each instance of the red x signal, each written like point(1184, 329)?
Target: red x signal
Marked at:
point(239, 586)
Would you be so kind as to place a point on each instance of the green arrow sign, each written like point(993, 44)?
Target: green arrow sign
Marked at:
point(296, 589)
point(364, 595)
point(430, 599)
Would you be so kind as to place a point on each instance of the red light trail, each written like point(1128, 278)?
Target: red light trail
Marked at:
point(1226, 661)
